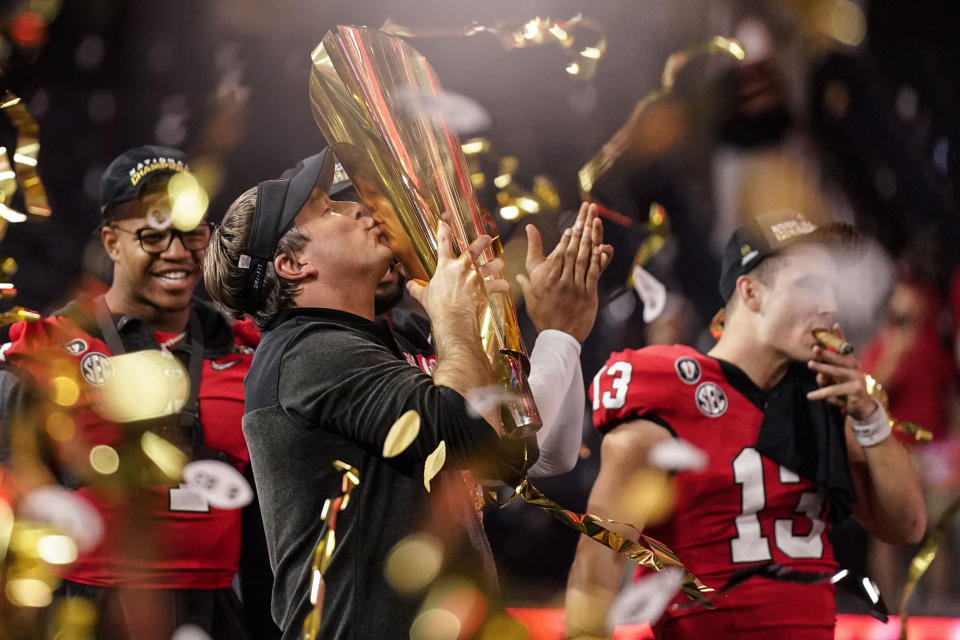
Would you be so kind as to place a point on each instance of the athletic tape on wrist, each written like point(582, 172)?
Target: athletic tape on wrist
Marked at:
point(874, 430)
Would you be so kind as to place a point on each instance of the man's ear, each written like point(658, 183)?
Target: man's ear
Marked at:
point(111, 241)
point(290, 268)
point(750, 292)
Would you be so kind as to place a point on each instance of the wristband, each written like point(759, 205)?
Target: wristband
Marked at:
point(874, 430)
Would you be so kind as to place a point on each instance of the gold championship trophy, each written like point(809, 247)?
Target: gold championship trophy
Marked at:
point(407, 166)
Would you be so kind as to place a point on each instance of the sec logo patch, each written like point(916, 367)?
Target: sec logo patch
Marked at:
point(711, 400)
point(96, 368)
point(688, 369)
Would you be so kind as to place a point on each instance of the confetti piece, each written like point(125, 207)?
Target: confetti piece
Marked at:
point(434, 464)
point(402, 434)
point(220, 483)
point(675, 454)
point(651, 292)
point(646, 599)
point(414, 563)
point(65, 511)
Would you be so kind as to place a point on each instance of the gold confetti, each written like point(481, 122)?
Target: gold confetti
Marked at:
point(876, 391)
point(435, 624)
point(434, 464)
point(143, 385)
point(604, 159)
point(18, 314)
point(323, 552)
point(414, 563)
point(25, 156)
point(57, 549)
point(29, 592)
point(647, 497)
point(104, 459)
point(189, 201)
point(402, 434)
point(647, 552)
point(921, 562)
point(582, 40)
point(164, 454)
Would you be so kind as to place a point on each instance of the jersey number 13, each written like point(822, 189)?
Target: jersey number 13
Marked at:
point(750, 545)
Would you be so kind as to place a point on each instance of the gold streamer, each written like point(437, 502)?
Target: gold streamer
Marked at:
point(513, 200)
point(601, 162)
point(17, 314)
point(26, 154)
point(649, 552)
point(921, 562)
point(582, 52)
point(876, 391)
point(658, 228)
point(323, 552)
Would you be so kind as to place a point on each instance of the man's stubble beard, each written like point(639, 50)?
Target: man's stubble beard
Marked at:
point(389, 295)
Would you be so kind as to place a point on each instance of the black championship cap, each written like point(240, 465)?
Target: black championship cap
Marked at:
point(278, 203)
point(126, 175)
point(770, 233)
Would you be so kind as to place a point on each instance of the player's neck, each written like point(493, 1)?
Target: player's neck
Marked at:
point(357, 300)
point(167, 320)
point(764, 367)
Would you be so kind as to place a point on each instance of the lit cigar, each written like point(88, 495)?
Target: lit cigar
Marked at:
point(833, 341)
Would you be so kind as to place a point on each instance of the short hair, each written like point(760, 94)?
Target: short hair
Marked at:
point(226, 281)
point(766, 272)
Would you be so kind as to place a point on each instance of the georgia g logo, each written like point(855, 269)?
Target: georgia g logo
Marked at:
point(711, 400)
point(688, 369)
point(96, 368)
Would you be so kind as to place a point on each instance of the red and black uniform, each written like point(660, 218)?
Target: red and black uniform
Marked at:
point(188, 545)
point(741, 510)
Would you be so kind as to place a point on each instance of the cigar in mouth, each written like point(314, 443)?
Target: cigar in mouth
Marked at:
point(833, 341)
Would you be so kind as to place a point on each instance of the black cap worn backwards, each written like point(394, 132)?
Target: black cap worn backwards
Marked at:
point(769, 234)
point(124, 178)
point(278, 203)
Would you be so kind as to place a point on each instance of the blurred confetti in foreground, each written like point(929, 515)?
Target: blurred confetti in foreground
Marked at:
point(924, 558)
point(582, 40)
point(414, 563)
point(675, 454)
point(645, 600)
point(513, 199)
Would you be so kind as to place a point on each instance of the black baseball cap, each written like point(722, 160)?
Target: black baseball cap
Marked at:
point(278, 203)
point(124, 178)
point(769, 234)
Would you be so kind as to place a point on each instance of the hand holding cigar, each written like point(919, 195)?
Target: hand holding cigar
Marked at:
point(833, 341)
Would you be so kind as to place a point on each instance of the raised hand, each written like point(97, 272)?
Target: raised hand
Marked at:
point(455, 287)
point(841, 381)
point(560, 290)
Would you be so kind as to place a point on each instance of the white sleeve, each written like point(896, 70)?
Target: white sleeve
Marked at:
point(557, 385)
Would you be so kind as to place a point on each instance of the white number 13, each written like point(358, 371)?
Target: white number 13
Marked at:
point(750, 545)
point(621, 372)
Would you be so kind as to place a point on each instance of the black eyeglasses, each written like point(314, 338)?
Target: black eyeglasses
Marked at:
point(155, 242)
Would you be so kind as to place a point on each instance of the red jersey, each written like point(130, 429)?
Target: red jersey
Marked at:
point(196, 546)
point(741, 509)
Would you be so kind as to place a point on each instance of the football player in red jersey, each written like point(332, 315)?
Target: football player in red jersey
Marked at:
point(168, 557)
point(783, 462)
